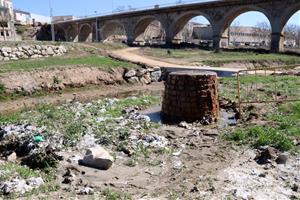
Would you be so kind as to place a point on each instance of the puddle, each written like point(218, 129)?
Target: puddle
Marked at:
point(226, 118)
point(154, 113)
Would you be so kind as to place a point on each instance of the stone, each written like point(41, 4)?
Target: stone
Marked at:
point(141, 72)
point(156, 76)
point(133, 80)
point(85, 191)
point(97, 157)
point(131, 73)
point(15, 186)
point(266, 155)
point(146, 79)
point(35, 182)
point(295, 187)
point(12, 157)
point(6, 49)
point(50, 51)
point(282, 159)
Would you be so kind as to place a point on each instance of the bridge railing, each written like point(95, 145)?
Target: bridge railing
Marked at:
point(132, 9)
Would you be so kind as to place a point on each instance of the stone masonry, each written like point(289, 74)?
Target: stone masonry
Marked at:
point(190, 96)
point(30, 51)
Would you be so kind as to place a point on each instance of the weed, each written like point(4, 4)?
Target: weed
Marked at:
point(130, 163)
point(56, 80)
point(110, 194)
point(2, 89)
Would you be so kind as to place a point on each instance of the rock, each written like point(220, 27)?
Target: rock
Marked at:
point(141, 72)
point(15, 186)
point(50, 51)
point(12, 157)
point(85, 191)
point(97, 157)
point(6, 49)
point(133, 80)
point(130, 73)
point(281, 159)
point(177, 164)
point(146, 79)
point(35, 182)
point(295, 187)
point(184, 125)
point(266, 156)
point(156, 76)
point(74, 159)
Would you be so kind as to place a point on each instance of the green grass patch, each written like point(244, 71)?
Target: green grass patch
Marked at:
point(110, 194)
point(217, 59)
point(263, 88)
point(51, 62)
point(282, 129)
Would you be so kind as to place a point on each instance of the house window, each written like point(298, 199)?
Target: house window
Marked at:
point(7, 33)
point(2, 33)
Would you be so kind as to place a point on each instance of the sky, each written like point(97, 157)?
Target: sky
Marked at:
point(91, 7)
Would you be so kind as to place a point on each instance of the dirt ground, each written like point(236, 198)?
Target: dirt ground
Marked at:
point(203, 165)
point(82, 94)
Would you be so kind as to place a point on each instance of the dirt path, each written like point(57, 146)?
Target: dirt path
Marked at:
point(81, 94)
point(130, 54)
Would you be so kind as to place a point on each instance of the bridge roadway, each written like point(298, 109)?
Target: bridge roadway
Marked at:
point(220, 14)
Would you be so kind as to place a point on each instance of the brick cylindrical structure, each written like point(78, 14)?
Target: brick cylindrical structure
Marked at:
point(190, 96)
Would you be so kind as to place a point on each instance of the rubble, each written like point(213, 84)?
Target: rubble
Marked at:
point(20, 185)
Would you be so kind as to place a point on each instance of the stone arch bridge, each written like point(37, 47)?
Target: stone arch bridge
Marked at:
point(220, 14)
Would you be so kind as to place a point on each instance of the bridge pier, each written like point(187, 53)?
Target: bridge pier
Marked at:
point(216, 43)
point(277, 42)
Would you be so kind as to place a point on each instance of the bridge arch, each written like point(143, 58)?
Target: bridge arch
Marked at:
point(287, 14)
point(234, 13)
point(182, 20)
point(221, 32)
point(114, 31)
point(72, 34)
point(140, 28)
point(60, 34)
point(85, 33)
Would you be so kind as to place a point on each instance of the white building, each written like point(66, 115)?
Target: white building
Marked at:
point(22, 17)
point(7, 30)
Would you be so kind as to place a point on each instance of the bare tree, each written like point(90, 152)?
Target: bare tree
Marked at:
point(187, 32)
point(234, 32)
point(262, 31)
point(291, 35)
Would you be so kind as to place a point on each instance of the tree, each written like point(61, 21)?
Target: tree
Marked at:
point(292, 35)
point(234, 32)
point(262, 31)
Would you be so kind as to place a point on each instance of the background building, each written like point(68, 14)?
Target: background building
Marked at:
point(7, 30)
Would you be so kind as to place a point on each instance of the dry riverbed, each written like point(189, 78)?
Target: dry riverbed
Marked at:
point(150, 160)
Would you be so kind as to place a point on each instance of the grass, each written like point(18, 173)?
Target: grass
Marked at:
point(218, 59)
point(282, 120)
point(264, 88)
point(110, 194)
point(51, 62)
point(280, 131)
